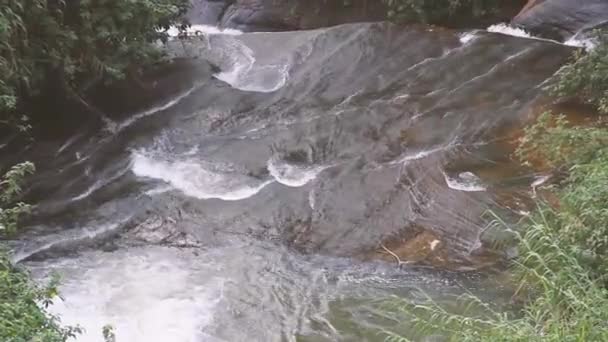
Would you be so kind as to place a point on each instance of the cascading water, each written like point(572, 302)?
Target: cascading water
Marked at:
point(247, 206)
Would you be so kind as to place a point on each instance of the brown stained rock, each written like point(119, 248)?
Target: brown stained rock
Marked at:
point(424, 247)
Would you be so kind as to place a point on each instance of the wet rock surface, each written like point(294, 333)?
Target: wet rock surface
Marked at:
point(563, 19)
point(287, 15)
point(284, 15)
point(297, 147)
point(252, 201)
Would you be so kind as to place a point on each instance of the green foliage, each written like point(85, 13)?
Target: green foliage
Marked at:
point(74, 44)
point(10, 188)
point(562, 265)
point(587, 77)
point(560, 142)
point(69, 45)
point(562, 301)
point(23, 315)
point(582, 219)
point(429, 11)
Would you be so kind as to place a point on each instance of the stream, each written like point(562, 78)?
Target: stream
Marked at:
point(250, 202)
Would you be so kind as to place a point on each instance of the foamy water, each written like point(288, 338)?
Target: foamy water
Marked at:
point(149, 294)
point(508, 30)
point(193, 179)
point(574, 41)
point(203, 29)
point(241, 70)
point(291, 175)
point(467, 37)
point(583, 42)
point(465, 181)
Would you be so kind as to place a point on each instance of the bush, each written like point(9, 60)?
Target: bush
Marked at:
point(10, 187)
point(562, 301)
point(23, 315)
point(74, 44)
point(563, 249)
point(587, 76)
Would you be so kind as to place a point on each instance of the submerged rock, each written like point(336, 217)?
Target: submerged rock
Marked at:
point(562, 19)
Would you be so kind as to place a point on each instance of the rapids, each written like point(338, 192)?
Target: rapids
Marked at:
point(250, 202)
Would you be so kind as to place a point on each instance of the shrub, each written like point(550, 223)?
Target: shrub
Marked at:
point(23, 315)
point(562, 301)
point(587, 76)
point(74, 44)
point(563, 248)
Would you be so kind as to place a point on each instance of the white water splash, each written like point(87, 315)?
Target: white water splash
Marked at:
point(467, 37)
point(465, 181)
point(204, 30)
point(194, 180)
point(291, 175)
point(574, 41)
point(148, 294)
point(243, 73)
point(582, 42)
point(508, 30)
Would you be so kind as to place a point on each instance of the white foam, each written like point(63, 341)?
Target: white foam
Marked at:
point(239, 67)
point(581, 42)
point(203, 29)
point(467, 37)
point(508, 30)
point(194, 180)
point(148, 294)
point(242, 72)
point(465, 181)
point(291, 175)
point(575, 41)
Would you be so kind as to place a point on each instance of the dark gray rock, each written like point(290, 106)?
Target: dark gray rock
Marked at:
point(288, 15)
point(207, 12)
point(281, 15)
point(562, 19)
point(273, 15)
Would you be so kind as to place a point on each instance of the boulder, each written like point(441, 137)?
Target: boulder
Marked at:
point(562, 19)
